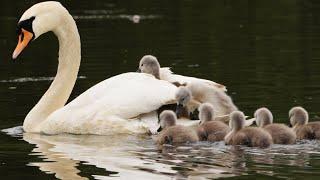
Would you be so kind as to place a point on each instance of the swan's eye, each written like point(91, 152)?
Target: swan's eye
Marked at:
point(26, 24)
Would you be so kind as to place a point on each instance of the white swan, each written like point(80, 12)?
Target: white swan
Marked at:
point(104, 108)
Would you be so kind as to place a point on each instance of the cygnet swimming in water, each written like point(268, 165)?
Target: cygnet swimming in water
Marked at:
point(280, 133)
point(249, 136)
point(299, 118)
point(209, 128)
point(172, 133)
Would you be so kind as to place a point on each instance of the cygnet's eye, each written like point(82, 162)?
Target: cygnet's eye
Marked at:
point(141, 64)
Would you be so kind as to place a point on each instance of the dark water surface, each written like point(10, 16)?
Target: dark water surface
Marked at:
point(266, 52)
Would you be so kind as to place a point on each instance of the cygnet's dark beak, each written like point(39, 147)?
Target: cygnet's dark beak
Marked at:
point(254, 123)
point(139, 70)
point(159, 129)
point(179, 110)
point(290, 125)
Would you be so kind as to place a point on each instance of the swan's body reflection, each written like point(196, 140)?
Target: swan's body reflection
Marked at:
point(63, 153)
point(62, 167)
point(125, 156)
point(131, 156)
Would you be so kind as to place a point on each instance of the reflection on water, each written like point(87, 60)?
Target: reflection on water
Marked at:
point(32, 79)
point(123, 156)
point(65, 153)
point(121, 16)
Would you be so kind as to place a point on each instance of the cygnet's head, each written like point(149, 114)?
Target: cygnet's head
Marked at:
point(298, 116)
point(150, 65)
point(167, 119)
point(39, 19)
point(183, 96)
point(263, 117)
point(237, 120)
point(206, 112)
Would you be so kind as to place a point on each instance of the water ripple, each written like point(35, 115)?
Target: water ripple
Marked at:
point(125, 155)
point(32, 79)
point(14, 131)
point(113, 17)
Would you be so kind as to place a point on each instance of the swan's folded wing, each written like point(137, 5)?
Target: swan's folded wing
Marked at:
point(137, 95)
point(167, 75)
point(116, 99)
point(128, 90)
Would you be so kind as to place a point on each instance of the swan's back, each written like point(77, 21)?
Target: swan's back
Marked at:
point(128, 94)
point(167, 75)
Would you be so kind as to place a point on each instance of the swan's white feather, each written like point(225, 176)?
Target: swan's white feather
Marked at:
point(167, 75)
point(107, 107)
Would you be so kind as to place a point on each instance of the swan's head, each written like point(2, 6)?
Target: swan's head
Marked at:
point(37, 20)
point(150, 65)
point(298, 116)
point(237, 120)
point(263, 117)
point(167, 119)
point(206, 112)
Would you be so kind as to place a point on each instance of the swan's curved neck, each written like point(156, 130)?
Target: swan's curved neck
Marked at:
point(60, 89)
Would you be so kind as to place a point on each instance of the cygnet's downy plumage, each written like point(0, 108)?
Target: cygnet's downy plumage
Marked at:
point(299, 118)
point(280, 133)
point(172, 133)
point(186, 105)
point(209, 128)
point(248, 136)
point(221, 102)
point(149, 65)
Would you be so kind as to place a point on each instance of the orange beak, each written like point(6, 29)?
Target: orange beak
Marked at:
point(24, 38)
